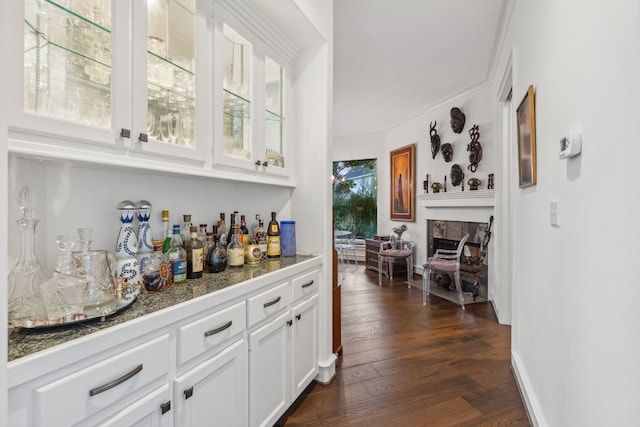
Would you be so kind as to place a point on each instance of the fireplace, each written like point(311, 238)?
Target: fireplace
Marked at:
point(442, 234)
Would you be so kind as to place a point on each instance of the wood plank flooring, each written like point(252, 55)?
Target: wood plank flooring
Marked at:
point(405, 364)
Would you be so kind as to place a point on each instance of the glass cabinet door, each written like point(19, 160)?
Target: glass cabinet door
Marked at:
point(237, 64)
point(274, 113)
point(67, 60)
point(171, 88)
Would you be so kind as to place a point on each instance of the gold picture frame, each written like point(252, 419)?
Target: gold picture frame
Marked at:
point(526, 114)
point(403, 183)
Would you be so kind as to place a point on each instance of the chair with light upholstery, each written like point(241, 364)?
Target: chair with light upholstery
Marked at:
point(389, 253)
point(446, 261)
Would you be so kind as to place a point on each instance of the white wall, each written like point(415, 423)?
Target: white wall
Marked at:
point(575, 319)
point(478, 106)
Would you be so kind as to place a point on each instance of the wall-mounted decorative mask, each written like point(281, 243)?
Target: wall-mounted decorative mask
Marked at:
point(435, 139)
point(447, 152)
point(457, 120)
point(457, 175)
point(474, 148)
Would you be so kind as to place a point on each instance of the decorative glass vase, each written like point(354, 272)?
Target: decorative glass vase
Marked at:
point(25, 299)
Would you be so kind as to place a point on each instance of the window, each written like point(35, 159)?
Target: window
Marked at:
point(355, 197)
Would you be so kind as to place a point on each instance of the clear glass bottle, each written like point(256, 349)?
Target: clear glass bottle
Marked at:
point(273, 238)
point(208, 245)
point(255, 225)
point(217, 256)
point(223, 231)
point(235, 250)
point(168, 232)
point(25, 279)
point(194, 255)
point(185, 228)
point(158, 275)
point(202, 234)
point(177, 257)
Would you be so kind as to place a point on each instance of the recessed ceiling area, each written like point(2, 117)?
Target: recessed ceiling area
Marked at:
point(394, 59)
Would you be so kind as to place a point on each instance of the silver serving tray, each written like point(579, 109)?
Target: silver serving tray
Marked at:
point(71, 319)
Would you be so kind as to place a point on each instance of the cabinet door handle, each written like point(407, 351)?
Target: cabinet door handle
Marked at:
point(219, 329)
point(258, 162)
point(306, 285)
point(270, 303)
point(143, 137)
point(116, 382)
point(289, 322)
point(125, 133)
point(165, 407)
point(298, 316)
point(265, 164)
point(188, 393)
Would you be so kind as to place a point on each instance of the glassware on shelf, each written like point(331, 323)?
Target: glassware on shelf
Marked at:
point(174, 127)
point(98, 267)
point(25, 279)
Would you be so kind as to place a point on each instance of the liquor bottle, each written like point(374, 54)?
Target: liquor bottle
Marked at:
point(273, 238)
point(222, 230)
point(261, 237)
point(235, 250)
point(244, 232)
point(185, 229)
point(202, 234)
point(178, 257)
point(255, 225)
point(157, 275)
point(208, 245)
point(217, 256)
point(193, 247)
point(166, 245)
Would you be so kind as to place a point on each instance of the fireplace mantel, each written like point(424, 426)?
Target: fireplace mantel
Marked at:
point(463, 199)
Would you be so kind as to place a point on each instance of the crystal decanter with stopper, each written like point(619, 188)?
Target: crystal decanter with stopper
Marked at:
point(25, 299)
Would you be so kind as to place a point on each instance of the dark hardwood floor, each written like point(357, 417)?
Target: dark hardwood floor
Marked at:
point(405, 364)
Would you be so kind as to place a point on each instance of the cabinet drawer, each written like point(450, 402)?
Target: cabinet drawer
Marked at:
point(267, 303)
point(210, 331)
point(306, 284)
point(79, 395)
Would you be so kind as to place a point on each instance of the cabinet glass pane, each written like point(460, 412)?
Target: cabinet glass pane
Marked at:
point(236, 94)
point(171, 71)
point(67, 60)
point(274, 126)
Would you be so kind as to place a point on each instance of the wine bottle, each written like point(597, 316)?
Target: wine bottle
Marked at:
point(194, 254)
point(235, 250)
point(244, 232)
point(273, 238)
point(217, 256)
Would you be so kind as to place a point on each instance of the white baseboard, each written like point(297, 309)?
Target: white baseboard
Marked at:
point(528, 397)
point(327, 370)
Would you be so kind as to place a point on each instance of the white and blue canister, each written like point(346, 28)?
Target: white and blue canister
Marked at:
point(288, 238)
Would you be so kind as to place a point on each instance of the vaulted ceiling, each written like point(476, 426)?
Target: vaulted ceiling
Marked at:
point(394, 59)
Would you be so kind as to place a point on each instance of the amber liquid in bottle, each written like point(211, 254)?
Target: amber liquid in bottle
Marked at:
point(273, 238)
point(194, 255)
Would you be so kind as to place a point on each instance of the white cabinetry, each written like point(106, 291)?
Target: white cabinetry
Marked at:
point(188, 365)
point(283, 353)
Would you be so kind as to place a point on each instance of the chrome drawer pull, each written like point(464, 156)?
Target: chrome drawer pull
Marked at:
point(116, 382)
point(270, 303)
point(306, 285)
point(220, 329)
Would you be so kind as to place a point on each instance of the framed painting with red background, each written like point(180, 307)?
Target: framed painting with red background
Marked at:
point(403, 183)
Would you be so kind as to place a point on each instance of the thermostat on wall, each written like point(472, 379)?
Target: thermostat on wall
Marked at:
point(571, 146)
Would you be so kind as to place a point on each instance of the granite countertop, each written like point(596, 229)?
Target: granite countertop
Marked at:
point(23, 342)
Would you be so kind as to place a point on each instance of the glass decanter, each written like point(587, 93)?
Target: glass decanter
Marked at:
point(25, 299)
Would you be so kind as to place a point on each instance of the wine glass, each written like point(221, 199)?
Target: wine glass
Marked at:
point(186, 127)
point(164, 127)
point(174, 126)
point(151, 123)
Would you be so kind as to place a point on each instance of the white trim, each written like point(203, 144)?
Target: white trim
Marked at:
point(477, 198)
point(327, 370)
point(531, 404)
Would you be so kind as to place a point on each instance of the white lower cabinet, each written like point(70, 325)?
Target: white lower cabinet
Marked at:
point(153, 410)
point(215, 391)
point(283, 357)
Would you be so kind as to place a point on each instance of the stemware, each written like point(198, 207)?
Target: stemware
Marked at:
point(164, 127)
point(174, 126)
point(186, 128)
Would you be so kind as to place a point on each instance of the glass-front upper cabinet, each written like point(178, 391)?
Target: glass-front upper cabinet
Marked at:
point(236, 94)
point(166, 103)
point(63, 69)
point(250, 98)
point(274, 113)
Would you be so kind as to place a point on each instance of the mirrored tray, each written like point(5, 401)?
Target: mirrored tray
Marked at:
point(128, 299)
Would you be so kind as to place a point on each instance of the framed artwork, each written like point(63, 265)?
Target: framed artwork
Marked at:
point(527, 139)
point(403, 183)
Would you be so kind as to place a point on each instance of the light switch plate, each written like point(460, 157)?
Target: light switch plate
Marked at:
point(554, 213)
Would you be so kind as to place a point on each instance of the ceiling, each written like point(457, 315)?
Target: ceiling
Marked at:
point(394, 59)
